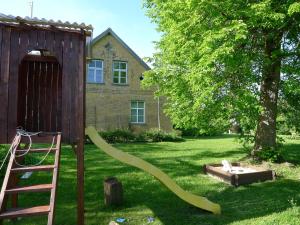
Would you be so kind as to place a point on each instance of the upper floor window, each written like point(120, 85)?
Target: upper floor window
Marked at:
point(95, 71)
point(119, 72)
point(137, 112)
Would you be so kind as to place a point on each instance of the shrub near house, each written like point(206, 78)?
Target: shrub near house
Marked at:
point(152, 135)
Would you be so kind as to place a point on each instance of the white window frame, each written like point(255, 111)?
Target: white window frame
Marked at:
point(137, 108)
point(119, 72)
point(95, 68)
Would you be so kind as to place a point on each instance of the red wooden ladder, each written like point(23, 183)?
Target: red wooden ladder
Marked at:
point(11, 189)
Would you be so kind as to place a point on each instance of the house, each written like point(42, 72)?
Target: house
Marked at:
point(114, 96)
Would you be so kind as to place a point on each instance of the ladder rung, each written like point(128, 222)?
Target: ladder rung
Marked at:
point(11, 173)
point(37, 150)
point(22, 212)
point(33, 188)
point(33, 168)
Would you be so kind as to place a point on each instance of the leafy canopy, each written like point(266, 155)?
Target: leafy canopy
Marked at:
point(211, 55)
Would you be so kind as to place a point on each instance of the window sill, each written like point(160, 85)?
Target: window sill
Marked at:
point(95, 83)
point(116, 84)
point(138, 124)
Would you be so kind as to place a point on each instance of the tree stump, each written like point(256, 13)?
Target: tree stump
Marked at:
point(113, 191)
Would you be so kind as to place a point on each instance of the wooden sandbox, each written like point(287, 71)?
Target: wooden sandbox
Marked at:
point(252, 175)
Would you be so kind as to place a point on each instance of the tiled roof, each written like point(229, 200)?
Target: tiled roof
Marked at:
point(9, 19)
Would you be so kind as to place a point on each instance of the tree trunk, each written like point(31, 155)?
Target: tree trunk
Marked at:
point(265, 136)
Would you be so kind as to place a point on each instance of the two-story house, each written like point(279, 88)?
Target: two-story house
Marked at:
point(114, 97)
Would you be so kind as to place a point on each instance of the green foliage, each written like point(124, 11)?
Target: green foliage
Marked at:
point(3, 151)
point(156, 135)
point(118, 136)
point(140, 137)
point(271, 154)
point(282, 127)
point(196, 132)
point(192, 132)
point(211, 58)
point(267, 154)
point(294, 8)
point(126, 136)
point(289, 107)
point(247, 141)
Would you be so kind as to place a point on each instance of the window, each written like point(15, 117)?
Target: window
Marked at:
point(137, 112)
point(95, 71)
point(119, 72)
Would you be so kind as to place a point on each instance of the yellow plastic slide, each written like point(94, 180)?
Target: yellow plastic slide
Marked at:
point(198, 201)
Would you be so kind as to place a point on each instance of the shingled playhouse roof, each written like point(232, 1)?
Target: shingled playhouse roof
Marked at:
point(14, 20)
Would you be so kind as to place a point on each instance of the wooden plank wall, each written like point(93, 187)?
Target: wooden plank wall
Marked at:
point(15, 43)
point(39, 91)
point(4, 77)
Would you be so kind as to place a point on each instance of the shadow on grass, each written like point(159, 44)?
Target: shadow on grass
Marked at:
point(241, 203)
point(238, 204)
point(224, 136)
point(140, 189)
point(166, 163)
point(291, 153)
point(145, 196)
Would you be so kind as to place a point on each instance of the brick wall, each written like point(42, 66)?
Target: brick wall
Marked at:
point(108, 104)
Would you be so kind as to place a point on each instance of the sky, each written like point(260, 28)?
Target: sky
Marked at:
point(126, 17)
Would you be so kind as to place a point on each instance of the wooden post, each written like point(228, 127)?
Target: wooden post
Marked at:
point(80, 183)
point(81, 130)
point(113, 191)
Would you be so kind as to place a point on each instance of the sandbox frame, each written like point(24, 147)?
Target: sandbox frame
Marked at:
point(236, 180)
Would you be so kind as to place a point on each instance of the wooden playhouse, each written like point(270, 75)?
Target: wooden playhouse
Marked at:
point(42, 82)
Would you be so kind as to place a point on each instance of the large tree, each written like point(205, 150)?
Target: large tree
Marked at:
point(224, 60)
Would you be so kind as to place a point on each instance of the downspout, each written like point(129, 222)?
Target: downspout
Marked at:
point(158, 111)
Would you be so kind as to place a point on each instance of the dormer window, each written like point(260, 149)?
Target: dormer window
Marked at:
point(95, 71)
point(119, 72)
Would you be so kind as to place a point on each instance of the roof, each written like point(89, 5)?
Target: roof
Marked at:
point(109, 31)
point(14, 20)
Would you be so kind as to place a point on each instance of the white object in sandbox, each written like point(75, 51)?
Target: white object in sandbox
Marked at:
point(227, 167)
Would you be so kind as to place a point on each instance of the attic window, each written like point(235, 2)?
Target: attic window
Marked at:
point(120, 72)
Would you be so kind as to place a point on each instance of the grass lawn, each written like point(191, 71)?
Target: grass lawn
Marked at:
point(260, 204)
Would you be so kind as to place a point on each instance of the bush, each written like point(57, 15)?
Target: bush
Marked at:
point(156, 135)
point(118, 136)
point(247, 140)
point(140, 138)
point(153, 135)
point(282, 127)
point(270, 154)
point(197, 132)
point(192, 132)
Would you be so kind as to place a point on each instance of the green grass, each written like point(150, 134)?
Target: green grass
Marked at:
point(261, 203)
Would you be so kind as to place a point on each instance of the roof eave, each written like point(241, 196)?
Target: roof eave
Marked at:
point(109, 31)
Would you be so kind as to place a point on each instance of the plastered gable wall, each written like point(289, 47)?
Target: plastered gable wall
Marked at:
point(108, 104)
